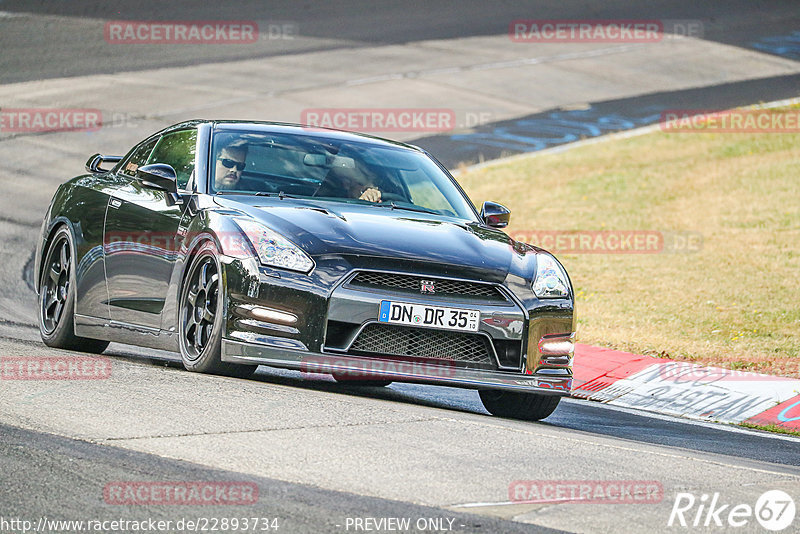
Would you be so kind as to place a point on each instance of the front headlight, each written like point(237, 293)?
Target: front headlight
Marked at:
point(273, 249)
point(551, 280)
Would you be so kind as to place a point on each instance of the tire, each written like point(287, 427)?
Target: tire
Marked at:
point(201, 317)
point(515, 405)
point(56, 303)
point(375, 383)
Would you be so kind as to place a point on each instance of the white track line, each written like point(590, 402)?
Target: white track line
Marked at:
point(626, 134)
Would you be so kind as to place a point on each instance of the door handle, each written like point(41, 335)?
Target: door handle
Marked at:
point(115, 203)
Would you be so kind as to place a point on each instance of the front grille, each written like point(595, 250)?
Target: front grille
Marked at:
point(406, 283)
point(393, 340)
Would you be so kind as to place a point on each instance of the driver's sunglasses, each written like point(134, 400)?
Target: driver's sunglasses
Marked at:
point(229, 163)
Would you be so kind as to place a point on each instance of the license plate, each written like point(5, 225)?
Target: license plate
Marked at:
point(428, 316)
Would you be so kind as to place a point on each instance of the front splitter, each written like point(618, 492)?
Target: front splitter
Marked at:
point(369, 368)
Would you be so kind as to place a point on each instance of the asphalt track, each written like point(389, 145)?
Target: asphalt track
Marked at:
point(543, 130)
point(322, 452)
point(72, 472)
point(54, 39)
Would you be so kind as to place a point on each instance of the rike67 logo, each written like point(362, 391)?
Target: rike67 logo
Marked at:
point(774, 510)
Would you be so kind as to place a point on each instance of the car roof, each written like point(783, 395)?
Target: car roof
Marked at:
point(296, 129)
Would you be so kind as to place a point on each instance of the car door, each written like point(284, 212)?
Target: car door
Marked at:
point(140, 239)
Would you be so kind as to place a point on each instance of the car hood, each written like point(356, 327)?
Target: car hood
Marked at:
point(367, 232)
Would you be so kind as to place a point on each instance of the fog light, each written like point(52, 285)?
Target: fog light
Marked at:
point(556, 347)
point(267, 314)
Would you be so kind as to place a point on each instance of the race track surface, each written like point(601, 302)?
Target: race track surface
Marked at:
point(323, 454)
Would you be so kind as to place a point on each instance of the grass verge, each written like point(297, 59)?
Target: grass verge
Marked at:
point(735, 302)
point(771, 428)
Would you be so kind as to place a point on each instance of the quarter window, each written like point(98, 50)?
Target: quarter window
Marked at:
point(138, 158)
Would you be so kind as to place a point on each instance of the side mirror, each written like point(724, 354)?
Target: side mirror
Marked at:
point(94, 162)
point(495, 215)
point(158, 176)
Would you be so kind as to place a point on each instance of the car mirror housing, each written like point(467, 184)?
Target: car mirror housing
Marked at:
point(94, 162)
point(495, 215)
point(158, 176)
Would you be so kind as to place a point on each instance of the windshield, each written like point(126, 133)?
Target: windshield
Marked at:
point(308, 166)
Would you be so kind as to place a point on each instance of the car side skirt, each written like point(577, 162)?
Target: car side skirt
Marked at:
point(120, 332)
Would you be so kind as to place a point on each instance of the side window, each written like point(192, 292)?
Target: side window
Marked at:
point(137, 158)
point(177, 149)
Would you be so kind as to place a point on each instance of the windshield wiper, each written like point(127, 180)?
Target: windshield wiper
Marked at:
point(249, 193)
point(391, 204)
point(280, 195)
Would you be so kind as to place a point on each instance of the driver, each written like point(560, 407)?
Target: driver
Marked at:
point(230, 163)
point(349, 183)
point(362, 188)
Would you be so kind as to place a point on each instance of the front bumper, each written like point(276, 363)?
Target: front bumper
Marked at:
point(542, 331)
point(401, 371)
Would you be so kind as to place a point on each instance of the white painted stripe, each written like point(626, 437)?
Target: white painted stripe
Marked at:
point(643, 448)
point(626, 134)
point(694, 422)
point(502, 503)
point(509, 64)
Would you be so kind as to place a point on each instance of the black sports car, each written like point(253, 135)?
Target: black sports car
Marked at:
point(241, 244)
